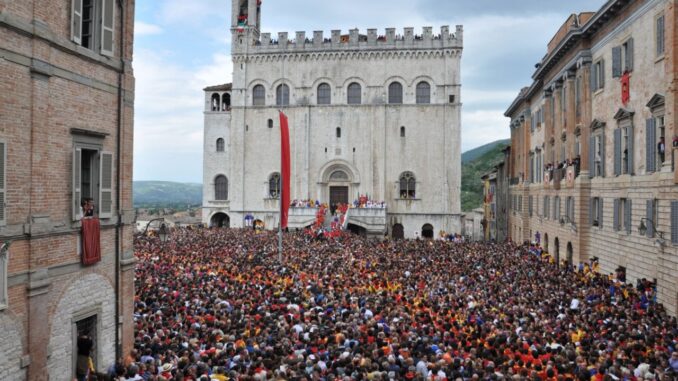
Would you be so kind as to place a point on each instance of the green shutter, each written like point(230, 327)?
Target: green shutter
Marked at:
point(76, 21)
point(75, 204)
point(106, 185)
point(107, 19)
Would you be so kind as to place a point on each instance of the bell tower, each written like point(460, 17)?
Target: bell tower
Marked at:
point(245, 24)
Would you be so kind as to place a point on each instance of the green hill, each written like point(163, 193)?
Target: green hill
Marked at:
point(472, 169)
point(475, 153)
point(166, 194)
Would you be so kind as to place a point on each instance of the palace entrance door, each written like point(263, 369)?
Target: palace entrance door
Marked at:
point(338, 194)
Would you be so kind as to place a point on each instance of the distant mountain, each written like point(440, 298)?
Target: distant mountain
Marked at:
point(472, 169)
point(166, 193)
point(473, 154)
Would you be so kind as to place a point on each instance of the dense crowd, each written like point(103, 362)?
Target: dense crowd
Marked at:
point(215, 304)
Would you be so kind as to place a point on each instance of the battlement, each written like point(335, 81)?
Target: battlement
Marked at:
point(355, 40)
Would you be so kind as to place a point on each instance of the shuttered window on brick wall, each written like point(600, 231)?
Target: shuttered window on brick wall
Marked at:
point(107, 19)
point(76, 184)
point(650, 145)
point(3, 182)
point(615, 215)
point(106, 185)
point(674, 222)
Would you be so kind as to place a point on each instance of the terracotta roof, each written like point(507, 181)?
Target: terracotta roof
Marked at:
point(224, 87)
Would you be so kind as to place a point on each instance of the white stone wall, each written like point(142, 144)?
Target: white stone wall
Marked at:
point(11, 348)
point(216, 125)
point(91, 291)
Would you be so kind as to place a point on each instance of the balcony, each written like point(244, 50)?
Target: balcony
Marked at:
point(371, 219)
point(300, 218)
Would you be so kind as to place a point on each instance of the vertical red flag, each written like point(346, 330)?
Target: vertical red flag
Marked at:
point(625, 91)
point(284, 170)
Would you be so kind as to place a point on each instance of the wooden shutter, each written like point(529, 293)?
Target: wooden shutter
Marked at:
point(674, 222)
point(649, 214)
point(617, 151)
point(75, 203)
point(599, 212)
point(107, 19)
point(591, 211)
point(76, 21)
point(592, 78)
point(616, 62)
point(592, 156)
point(3, 189)
point(629, 147)
point(660, 35)
point(650, 146)
point(615, 214)
point(628, 210)
point(106, 185)
point(628, 64)
point(601, 80)
point(603, 159)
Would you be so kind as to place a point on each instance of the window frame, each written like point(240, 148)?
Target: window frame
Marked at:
point(102, 168)
point(395, 95)
point(596, 210)
point(409, 180)
point(353, 98)
point(282, 95)
point(221, 145)
point(101, 35)
point(79, 317)
point(660, 35)
point(324, 94)
point(273, 185)
point(421, 97)
point(220, 194)
point(258, 95)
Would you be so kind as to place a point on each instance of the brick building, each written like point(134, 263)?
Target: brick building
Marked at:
point(66, 132)
point(592, 167)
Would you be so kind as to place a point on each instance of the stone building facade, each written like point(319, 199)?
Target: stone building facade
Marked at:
point(66, 132)
point(593, 164)
point(369, 114)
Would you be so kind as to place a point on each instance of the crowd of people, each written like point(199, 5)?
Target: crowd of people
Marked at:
point(215, 304)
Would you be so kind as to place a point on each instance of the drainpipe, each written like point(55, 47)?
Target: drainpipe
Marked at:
point(118, 222)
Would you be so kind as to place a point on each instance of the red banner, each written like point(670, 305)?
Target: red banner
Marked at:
point(625, 91)
point(284, 170)
point(91, 245)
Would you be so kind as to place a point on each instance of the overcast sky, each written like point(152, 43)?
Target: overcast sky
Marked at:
point(182, 46)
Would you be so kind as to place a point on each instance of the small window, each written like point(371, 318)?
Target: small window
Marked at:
point(354, 94)
point(4, 259)
point(226, 102)
point(282, 95)
point(274, 185)
point(92, 179)
point(215, 102)
point(258, 95)
point(221, 188)
point(402, 131)
point(324, 94)
point(659, 35)
point(395, 93)
point(622, 215)
point(408, 185)
point(220, 145)
point(338, 132)
point(270, 123)
point(423, 92)
point(597, 75)
point(451, 98)
point(596, 212)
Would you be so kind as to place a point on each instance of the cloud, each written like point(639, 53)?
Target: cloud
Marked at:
point(194, 13)
point(168, 117)
point(442, 9)
point(143, 29)
point(483, 126)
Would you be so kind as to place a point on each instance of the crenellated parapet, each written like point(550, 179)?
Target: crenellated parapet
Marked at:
point(354, 40)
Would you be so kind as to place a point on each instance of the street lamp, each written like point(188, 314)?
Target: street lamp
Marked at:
point(566, 219)
point(642, 228)
point(163, 233)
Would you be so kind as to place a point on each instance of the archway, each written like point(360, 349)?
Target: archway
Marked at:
point(220, 220)
point(546, 242)
point(427, 231)
point(556, 250)
point(569, 255)
point(358, 230)
point(398, 231)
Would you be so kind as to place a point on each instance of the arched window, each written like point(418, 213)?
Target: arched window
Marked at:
point(220, 145)
point(339, 175)
point(395, 93)
point(338, 132)
point(402, 131)
point(215, 102)
point(282, 95)
point(226, 102)
point(221, 188)
point(324, 94)
point(274, 185)
point(408, 185)
point(423, 92)
point(258, 95)
point(354, 94)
